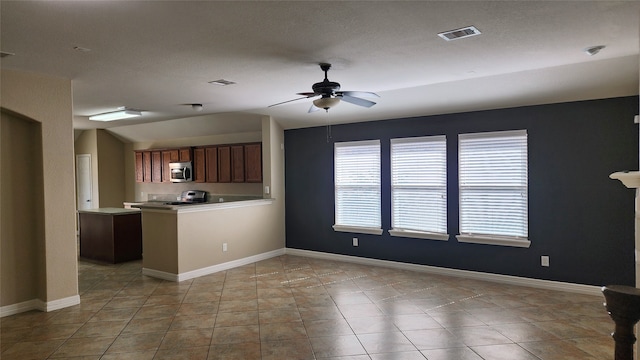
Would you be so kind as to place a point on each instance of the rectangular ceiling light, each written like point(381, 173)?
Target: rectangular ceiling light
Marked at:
point(116, 115)
point(460, 33)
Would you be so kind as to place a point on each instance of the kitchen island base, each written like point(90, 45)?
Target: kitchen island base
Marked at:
point(111, 235)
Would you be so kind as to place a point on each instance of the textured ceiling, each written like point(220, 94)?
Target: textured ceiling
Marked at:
point(159, 56)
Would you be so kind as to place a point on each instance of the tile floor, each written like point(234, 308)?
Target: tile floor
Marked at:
point(292, 307)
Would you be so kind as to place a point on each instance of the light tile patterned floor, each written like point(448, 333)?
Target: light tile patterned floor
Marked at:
point(293, 307)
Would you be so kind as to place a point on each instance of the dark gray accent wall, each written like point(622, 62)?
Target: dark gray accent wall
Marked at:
point(580, 218)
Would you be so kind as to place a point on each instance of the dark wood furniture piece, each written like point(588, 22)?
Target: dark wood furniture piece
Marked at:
point(623, 305)
point(110, 235)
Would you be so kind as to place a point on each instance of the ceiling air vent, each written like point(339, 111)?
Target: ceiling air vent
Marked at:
point(4, 54)
point(460, 33)
point(221, 82)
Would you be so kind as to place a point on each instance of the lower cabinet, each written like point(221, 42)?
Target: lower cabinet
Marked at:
point(110, 235)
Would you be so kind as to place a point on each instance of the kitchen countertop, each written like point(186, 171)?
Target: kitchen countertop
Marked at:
point(163, 206)
point(110, 211)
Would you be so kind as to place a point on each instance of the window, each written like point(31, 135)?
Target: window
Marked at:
point(357, 187)
point(419, 187)
point(493, 188)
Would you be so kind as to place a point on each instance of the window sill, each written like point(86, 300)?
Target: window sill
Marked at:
point(494, 240)
point(419, 235)
point(357, 229)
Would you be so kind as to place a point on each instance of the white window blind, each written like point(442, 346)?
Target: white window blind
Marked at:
point(357, 184)
point(419, 184)
point(493, 184)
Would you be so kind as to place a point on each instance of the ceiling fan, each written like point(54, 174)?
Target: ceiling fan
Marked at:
point(330, 95)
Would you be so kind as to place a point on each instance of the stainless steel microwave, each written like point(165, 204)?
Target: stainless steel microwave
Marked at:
point(181, 171)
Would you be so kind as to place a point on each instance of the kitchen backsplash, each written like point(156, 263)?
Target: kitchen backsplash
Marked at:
point(210, 197)
point(170, 191)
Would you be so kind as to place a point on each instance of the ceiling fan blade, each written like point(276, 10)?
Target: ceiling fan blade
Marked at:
point(356, 100)
point(359, 94)
point(307, 94)
point(288, 101)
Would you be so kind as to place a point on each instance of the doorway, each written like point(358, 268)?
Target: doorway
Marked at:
point(83, 181)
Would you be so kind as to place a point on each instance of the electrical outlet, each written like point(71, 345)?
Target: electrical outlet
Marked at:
point(224, 247)
point(355, 241)
point(544, 260)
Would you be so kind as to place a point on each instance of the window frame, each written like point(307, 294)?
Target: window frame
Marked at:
point(375, 229)
point(494, 239)
point(430, 234)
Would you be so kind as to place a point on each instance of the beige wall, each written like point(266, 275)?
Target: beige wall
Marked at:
point(110, 170)
point(48, 100)
point(22, 184)
point(248, 231)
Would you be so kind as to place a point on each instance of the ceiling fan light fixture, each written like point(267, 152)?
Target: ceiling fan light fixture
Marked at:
point(326, 102)
point(116, 115)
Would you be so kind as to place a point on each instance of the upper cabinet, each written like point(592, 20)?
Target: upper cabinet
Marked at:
point(199, 166)
point(211, 164)
point(237, 163)
point(156, 164)
point(214, 163)
point(168, 156)
point(139, 167)
point(224, 164)
point(146, 163)
point(253, 163)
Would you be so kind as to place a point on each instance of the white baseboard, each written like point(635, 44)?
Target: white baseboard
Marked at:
point(61, 303)
point(24, 306)
point(37, 304)
point(504, 279)
point(211, 269)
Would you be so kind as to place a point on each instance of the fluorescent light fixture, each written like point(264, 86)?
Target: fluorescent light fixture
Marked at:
point(116, 115)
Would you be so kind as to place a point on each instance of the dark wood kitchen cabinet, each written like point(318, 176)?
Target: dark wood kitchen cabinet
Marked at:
point(168, 156)
point(199, 165)
point(110, 235)
point(224, 164)
point(139, 167)
point(156, 166)
point(146, 163)
point(253, 163)
point(184, 154)
point(237, 163)
point(211, 164)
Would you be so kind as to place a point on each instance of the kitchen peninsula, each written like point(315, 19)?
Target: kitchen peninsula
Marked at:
point(186, 241)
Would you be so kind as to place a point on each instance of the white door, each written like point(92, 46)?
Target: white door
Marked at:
point(83, 181)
